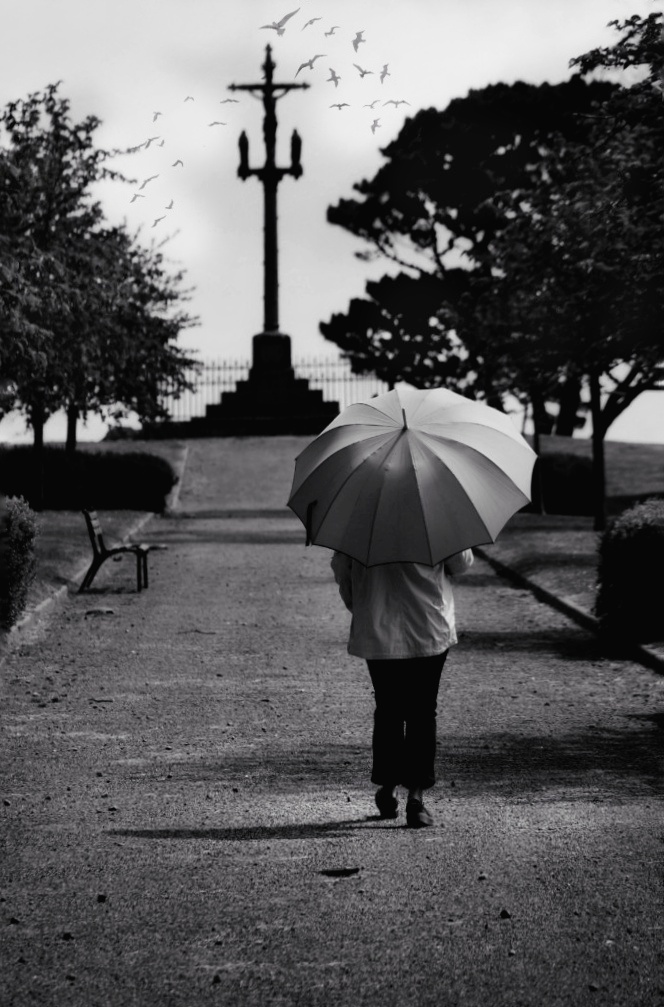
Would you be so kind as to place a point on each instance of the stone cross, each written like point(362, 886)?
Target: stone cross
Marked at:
point(271, 348)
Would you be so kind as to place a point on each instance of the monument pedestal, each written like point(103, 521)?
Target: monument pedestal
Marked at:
point(271, 401)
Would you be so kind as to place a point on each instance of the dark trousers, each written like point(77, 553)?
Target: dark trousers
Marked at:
point(404, 734)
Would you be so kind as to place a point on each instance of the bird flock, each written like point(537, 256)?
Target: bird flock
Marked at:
point(158, 141)
point(346, 72)
point(342, 72)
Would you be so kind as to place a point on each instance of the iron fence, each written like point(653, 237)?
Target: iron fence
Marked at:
point(333, 377)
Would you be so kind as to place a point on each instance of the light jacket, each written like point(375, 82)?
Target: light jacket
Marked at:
point(399, 610)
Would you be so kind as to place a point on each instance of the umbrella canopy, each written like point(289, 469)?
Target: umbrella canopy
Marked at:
point(411, 476)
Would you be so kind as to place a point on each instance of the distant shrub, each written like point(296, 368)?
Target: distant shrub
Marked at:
point(18, 564)
point(566, 483)
point(630, 586)
point(99, 480)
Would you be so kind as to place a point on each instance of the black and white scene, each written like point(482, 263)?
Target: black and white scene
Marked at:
point(332, 503)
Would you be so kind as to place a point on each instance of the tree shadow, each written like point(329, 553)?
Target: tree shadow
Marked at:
point(569, 642)
point(579, 561)
point(473, 578)
point(610, 764)
point(237, 536)
point(101, 590)
point(613, 764)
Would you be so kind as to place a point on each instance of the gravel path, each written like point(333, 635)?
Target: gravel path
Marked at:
point(188, 817)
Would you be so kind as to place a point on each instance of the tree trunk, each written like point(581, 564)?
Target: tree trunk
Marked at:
point(72, 420)
point(570, 400)
point(598, 469)
point(538, 488)
point(37, 421)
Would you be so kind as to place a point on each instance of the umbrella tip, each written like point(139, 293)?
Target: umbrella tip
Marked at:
point(405, 421)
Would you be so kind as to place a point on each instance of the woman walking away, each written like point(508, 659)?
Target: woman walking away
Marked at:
point(403, 626)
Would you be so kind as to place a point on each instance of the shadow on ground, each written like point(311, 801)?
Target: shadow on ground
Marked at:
point(604, 764)
point(607, 764)
point(567, 642)
point(296, 830)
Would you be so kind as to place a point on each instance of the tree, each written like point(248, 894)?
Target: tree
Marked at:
point(126, 317)
point(429, 211)
point(89, 318)
point(400, 332)
point(583, 254)
point(45, 212)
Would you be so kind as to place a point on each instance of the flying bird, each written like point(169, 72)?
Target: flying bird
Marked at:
point(175, 163)
point(358, 39)
point(161, 144)
point(226, 100)
point(145, 182)
point(340, 105)
point(363, 73)
point(309, 63)
point(217, 123)
point(332, 30)
point(311, 21)
point(189, 98)
point(137, 195)
point(334, 77)
point(375, 125)
point(401, 101)
point(170, 206)
point(155, 115)
point(278, 26)
point(372, 103)
point(150, 139)
point(384, 72)
point(155, 222)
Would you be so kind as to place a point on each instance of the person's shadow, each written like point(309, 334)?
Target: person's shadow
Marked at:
point(294, 830)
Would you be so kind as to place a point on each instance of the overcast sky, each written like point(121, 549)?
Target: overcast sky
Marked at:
point(125, 60)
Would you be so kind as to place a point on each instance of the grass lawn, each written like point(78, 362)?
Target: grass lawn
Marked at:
point(631, 469)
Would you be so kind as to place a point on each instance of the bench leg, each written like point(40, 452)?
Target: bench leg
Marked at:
point(145, 569)
point(90, 575)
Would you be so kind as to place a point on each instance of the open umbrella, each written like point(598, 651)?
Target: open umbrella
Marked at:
point(411, 476)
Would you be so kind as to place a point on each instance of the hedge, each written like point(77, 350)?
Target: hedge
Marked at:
point(18, 564)
point(630, 587)
point(97, 480)
point(566, 483)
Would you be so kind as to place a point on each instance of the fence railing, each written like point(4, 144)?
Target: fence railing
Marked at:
point(333, 377)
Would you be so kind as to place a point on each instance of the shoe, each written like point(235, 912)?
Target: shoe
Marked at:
point(386, 803)
point(417, 816)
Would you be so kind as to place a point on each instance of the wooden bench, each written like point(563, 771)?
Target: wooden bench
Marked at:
point(100, 553)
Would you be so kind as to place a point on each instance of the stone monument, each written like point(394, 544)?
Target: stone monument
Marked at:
point(272, 400)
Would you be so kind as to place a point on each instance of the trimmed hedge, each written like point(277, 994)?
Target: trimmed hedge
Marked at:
point(630, 585)
point(98, 480)
point(566, 483)
point(18, 564)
